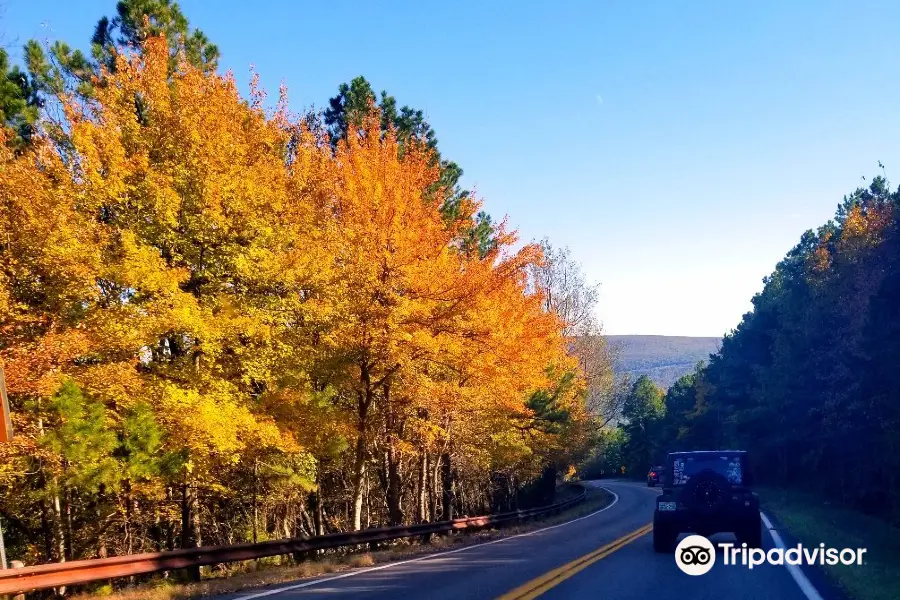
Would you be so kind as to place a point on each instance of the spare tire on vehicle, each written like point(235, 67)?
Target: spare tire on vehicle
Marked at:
point(706, 492)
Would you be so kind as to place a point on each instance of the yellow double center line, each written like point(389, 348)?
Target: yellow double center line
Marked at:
point(539, 585)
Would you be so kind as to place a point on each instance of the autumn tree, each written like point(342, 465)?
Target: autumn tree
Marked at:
point(148, 292)
point(349, 108)
point(566, 293)
point(406, 298)
point(252, 333)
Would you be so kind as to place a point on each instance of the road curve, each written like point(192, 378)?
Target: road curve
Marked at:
point(627, 570)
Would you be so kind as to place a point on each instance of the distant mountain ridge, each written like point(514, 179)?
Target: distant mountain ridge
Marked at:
point(663, 358)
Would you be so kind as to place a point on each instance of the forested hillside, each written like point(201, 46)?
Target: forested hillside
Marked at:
point(808, 382)
point(223, 322)
point(663, 358)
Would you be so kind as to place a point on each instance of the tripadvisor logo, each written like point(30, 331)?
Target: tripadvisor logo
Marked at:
point(798, 555)
point(696, 555)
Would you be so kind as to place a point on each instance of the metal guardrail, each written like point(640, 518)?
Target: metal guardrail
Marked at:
point(16, 581)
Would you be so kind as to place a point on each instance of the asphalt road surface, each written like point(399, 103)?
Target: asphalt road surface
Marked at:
point(608, 554)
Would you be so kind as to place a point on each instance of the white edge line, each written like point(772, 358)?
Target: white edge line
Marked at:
point(806, 587)
point(428, 557)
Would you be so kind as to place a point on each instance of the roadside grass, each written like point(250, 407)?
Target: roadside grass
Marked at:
point(276, 570)
point(813, 521)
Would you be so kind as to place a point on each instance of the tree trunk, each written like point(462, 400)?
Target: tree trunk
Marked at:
point(126, 491)
point(364, 401)
point(67, 509)
point(195, 519)
point(102, 551)
point(393, 491)
point(47, 531)
point(434, 486)
point(306, 520)
point(448, 485)
point(190, 524)
point(59, 535)
point(422, 504)
point(255, 503)
point(495, 490)
point(170, 525)
point(286, 523)
point(318, 516)
point(367, 487)
point(359, 473)
point(157, 530)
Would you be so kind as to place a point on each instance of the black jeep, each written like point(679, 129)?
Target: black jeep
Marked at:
point(705, 493)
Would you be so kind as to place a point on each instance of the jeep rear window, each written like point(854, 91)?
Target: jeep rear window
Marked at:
point(684, 468)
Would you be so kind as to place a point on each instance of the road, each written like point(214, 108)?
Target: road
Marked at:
point(511, 568)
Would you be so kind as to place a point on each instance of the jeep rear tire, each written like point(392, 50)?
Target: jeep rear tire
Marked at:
point(664, 536)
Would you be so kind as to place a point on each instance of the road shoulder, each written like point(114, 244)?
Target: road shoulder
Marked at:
point(806, 519)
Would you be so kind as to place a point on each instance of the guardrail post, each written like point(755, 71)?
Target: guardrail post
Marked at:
point(17, 564)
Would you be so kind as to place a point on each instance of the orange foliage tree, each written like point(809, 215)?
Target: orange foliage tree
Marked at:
point(218, 305)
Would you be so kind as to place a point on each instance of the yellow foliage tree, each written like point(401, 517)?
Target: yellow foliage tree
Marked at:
point(220, 300)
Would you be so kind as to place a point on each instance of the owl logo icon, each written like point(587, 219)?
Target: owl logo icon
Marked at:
point(695, 555)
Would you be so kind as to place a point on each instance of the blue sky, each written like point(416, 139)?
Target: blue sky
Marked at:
point(678, 149)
